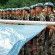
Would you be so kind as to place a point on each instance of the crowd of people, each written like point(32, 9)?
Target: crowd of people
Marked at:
point(37, 12)
point(44, 43)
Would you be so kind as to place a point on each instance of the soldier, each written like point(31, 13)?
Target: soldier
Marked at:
point(13, 14)
point(9, 12)
point(20, 13)
point(1, 13)
point(49, 11)
point(32, 13)
point(17, 14)
point(39, 8)
point(26, 13)
point(5, 14)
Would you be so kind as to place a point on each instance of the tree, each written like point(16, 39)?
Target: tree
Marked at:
point(2, 2)
point(20, 3)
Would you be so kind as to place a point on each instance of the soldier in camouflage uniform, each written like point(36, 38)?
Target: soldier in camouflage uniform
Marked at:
point(1, 13)
point(39, 8)
point(13, 14)
point(9, 14)
point(18, 14)
point(21, 14)
point(5, 14)
point(32, 13)
point(26, 13)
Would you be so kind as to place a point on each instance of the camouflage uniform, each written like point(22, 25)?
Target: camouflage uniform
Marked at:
point(3, 15)
point(20, 17)
point(8, 17)
point(26, 17)
point(13, 17)
point(32, 16)
point(40, 17)
point(26, 13)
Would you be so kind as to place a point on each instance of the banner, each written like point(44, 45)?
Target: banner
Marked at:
point(13, 37)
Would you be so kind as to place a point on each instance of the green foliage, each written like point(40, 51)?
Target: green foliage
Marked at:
point(19, 3)
point(2, 2)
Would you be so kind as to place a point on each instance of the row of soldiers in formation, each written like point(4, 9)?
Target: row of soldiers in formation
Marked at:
point(43, 43)
point(34, 13)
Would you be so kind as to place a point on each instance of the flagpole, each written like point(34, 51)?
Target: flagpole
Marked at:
point(27, 22)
